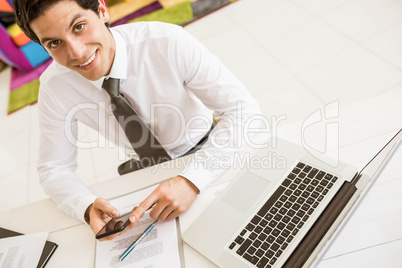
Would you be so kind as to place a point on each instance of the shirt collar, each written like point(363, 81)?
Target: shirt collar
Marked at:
point(119, 66)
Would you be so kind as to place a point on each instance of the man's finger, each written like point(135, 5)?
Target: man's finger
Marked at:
point(104, 206)
point(174, 214)
point(165, 212)
point(97, 224)
point(101, 207)
point(142, 207)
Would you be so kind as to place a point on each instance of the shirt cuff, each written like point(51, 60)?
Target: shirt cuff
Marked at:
point(199, 174)
point(82, 206)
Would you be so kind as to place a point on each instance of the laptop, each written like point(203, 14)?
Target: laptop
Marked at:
point(282, 213)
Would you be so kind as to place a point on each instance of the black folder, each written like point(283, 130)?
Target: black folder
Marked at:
point(47, 251)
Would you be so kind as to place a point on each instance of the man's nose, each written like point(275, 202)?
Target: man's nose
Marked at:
point(76, 49)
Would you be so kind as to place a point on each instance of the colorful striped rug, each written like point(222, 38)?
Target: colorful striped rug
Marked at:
point(25, 85)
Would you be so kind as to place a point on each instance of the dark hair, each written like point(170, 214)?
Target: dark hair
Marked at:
point(27, 11)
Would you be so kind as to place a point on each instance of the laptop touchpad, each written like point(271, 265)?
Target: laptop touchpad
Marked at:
point(245, 191)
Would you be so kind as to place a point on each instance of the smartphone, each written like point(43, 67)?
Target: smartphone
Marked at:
point(114, 226)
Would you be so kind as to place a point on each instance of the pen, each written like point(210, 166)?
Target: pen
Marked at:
point(136, 242)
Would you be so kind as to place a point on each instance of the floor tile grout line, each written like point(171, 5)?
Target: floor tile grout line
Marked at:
point(297, 75)
point(327, 11)
point(382, 30)
point(214, 33)
point(293, 75)
point(381, 57)
point(370, 138)
point(357, 42)
point(391, 87)
point(388, 180)
point(225, 61)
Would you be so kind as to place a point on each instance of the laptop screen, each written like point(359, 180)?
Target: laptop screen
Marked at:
point(376, 163)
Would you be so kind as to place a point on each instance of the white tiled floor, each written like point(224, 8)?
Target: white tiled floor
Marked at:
point(296, 57)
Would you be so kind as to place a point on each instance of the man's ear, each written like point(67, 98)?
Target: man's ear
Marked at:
point(103, 12)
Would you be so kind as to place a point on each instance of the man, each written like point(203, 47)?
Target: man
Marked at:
point(174, 84)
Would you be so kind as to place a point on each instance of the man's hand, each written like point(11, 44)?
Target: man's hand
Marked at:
point(100, 212)
point(171, 198)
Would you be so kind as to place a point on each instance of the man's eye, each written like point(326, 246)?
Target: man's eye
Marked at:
point(54, 43)
point(79, 27)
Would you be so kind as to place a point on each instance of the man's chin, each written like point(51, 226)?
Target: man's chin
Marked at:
point(92, 76)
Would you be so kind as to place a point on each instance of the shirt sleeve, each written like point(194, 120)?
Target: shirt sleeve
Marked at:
point(58, 157)
point(236, 110)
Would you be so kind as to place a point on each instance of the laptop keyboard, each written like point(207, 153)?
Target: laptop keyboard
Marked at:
point(279, 220)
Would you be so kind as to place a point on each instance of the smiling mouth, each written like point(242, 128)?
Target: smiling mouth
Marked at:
point(88, 61)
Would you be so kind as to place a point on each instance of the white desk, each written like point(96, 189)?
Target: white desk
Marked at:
point(75, 239)
point(372, 238)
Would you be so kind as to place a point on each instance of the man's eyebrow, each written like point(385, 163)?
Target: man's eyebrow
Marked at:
point(76, 16)
point(44, 40)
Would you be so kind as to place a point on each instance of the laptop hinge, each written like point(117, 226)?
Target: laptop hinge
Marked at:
point(306, 247)
point(356, 178)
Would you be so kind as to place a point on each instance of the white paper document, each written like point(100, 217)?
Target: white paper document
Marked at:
point(160, 248)
point(22, 251)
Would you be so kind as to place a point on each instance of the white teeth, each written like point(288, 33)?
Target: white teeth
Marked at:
point(88, 61)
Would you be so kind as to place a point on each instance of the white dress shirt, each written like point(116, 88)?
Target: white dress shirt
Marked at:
point(175, 85)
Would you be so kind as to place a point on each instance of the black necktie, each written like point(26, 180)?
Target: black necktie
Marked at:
point(143, 141)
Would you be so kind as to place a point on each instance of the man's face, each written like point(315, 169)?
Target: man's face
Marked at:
point(77, 38)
